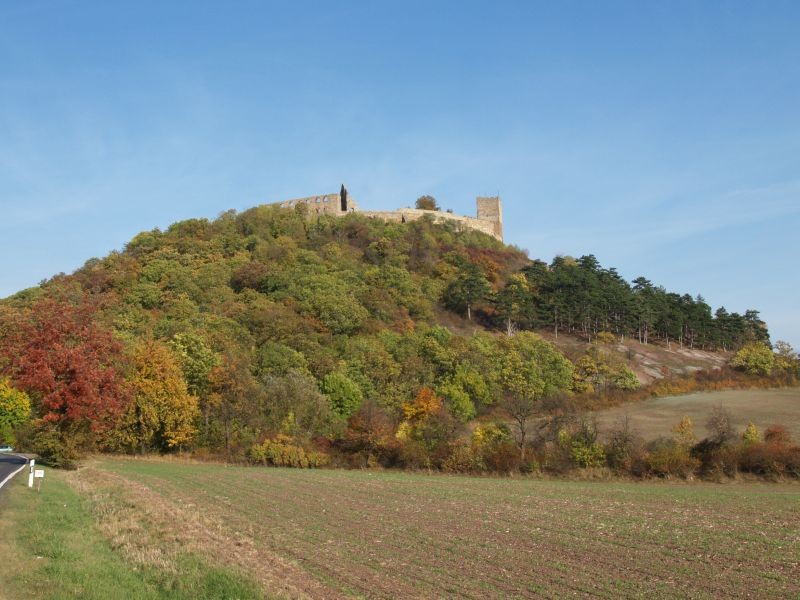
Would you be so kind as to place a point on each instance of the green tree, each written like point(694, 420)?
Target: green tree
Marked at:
point(196, 359)
point(343, 393)
point(513, 301)
point(531, 369)
point(468, 288)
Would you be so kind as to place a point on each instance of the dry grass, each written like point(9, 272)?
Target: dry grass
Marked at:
point(656, 417)
point(150, 531)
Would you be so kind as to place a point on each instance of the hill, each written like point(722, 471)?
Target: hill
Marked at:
point(284, 337)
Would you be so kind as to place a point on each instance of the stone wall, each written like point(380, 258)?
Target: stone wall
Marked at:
point(489, 220)
point(405, 215)
point(325, 204)
point(491, 209)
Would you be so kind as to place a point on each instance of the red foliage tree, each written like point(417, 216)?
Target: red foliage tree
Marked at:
point(69, 364)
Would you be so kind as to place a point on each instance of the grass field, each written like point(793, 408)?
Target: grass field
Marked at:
point(328, 534)
point(52, 546)
point(656, 417)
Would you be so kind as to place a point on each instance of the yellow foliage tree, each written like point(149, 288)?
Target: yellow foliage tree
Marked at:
point(751, 435)
point(684, 432)
point(15, 409)
point(162, 413)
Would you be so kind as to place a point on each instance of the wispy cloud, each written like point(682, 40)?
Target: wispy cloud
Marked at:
point(676, 220)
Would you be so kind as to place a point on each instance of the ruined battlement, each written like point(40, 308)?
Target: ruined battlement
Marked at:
point(489, 219)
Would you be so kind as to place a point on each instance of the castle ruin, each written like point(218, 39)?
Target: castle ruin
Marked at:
point(489, 219)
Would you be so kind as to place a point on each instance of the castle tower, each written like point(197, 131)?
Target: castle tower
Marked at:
point(490, 208)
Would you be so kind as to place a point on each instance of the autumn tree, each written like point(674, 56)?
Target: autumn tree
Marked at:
point(428, 426)
point(426, 202)
point(15, 409)
point(756, 359)
point(69, 364)
point(161, 414)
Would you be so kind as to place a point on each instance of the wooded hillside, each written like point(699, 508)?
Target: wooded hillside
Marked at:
point(267, 334)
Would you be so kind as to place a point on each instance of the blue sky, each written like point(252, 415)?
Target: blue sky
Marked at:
point(662, 137)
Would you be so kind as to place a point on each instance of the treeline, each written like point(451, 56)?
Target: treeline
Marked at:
point(579, 296)
point(281, 338)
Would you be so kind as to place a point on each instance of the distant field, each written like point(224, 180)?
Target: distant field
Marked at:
point(657, 416)
point(327, 534)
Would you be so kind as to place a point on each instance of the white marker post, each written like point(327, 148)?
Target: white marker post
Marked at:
point(30, 474)
point(39, 474)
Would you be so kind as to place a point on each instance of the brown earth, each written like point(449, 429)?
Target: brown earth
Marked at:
point(389, 535)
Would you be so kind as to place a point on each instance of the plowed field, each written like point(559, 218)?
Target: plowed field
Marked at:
point(390, 535)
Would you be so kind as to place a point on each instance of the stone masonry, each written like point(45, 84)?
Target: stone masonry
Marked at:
point(489, 218)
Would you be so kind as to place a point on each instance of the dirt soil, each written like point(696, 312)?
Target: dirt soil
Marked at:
point(388, 535)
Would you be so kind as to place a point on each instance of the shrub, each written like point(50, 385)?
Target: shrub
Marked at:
point(717, 458)
point(55, 449)
point(625, 379)
point(605, 337)
point(493, 448)
point(502, 457)
point(751, 435)
point(777, 434)
point(587, 455)
point(719, 423)
point(460, 459)
point(343, 393)
point(281, 452)
point(669, 458)
point(578, 448)
point(771, 458)
point(683, 432)
point(624, 447)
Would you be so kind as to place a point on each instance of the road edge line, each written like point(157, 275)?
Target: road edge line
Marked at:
point(7, 479)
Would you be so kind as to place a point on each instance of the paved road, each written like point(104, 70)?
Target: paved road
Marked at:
point(8, 464)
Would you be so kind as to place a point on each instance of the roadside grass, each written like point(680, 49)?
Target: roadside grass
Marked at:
point(50, 548)
point(393, 534)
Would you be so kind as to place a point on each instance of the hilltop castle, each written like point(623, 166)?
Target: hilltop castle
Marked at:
point(489, 218)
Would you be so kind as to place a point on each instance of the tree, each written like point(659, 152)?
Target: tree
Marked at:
point(720, 425)
point(196, 360)
point(162, 412)
point(468, 288)
point(343, 394)
point(298, 399)
point(513, 301)
point(683, 432)
point(69, 364)
point(755, 359)
point(427, 202)
point(751, 435)
point(15, 409)
point(786, 359)
point(531, 369)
